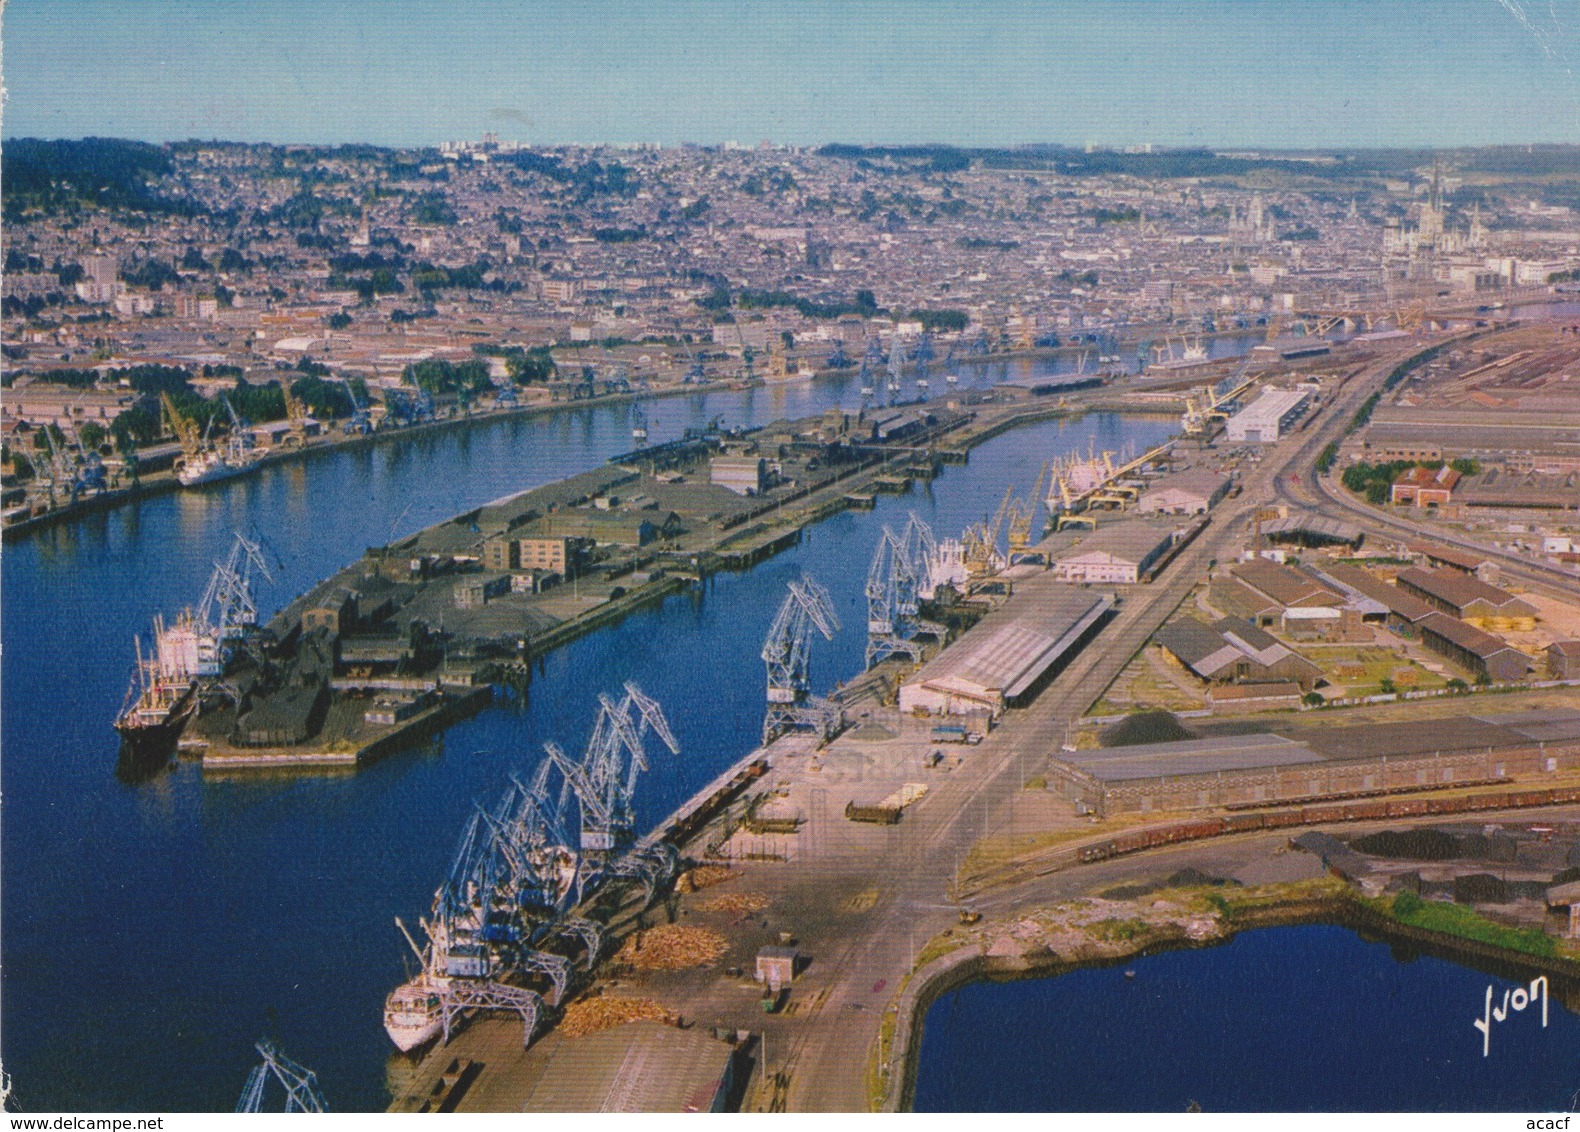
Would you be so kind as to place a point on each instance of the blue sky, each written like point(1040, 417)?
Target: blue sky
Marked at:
point(417, 72)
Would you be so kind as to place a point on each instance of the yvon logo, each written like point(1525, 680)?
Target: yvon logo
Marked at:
point(1517, 999)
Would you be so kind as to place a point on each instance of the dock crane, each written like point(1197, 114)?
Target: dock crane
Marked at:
point(77, 469)
point(1023, 513)
point(778, 362)
point(460, 969)
point(604, 785)
point(871, 358)
point(298, 417)
point(238, 427)
point(359, 424)
point(900, 568)
point(896, 366)
point(227, 611)
point(924, 354)
point(981, 540)
point(839, 359)
point(301, 1084)
point(697, 374)
point(787, 652)
point(183, 427)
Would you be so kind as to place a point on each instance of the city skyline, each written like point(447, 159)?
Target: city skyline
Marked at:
point(1273, 75)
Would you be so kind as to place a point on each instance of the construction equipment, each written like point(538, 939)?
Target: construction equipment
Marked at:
point(301, 1085)
point(839, 359)
point(788, 651)
point(900, 567)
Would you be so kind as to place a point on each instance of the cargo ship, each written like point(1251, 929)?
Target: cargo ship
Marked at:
point(218, 464)
point(414, 1012)
point(161, 695)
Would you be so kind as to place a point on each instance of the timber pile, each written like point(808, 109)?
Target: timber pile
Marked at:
point(735, 903)
point(589, 1015)
point(672, 947)
point(703, 876)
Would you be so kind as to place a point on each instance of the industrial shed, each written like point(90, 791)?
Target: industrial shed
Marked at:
point(1318, 762)
point(1473, 649)
point(1121, 553)
point(1234, 651)
point(1468, 598)
point(1193, 492)
point(1002, 659)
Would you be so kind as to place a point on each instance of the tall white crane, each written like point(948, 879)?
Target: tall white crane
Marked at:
point(788, 652)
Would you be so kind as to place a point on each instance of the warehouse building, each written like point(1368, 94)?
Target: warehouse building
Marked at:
point(1318, 763)
point(1120, 553)
point(1270, 594)
point(1193, 492)
point(744, 475)
point(1231, 651)
point(1424, 487)
point(1374, 598)
point(1469, 599)
point(1473, 649)
point(1453, 558)
point(639, 1067)
point(1265, 419)
point(1006, 657)
point(1563, 660)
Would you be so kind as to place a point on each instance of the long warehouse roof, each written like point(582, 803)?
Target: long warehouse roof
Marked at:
point(1019, 641)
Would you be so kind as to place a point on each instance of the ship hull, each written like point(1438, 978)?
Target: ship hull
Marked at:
point(216, 473)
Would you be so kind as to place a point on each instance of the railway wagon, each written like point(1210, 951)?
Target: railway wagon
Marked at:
point(1377, 810)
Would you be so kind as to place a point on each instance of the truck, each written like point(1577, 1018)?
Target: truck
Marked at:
point(955, 733)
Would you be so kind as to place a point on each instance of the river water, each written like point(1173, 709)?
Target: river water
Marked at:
point(1296, 1019)
point(153, 932)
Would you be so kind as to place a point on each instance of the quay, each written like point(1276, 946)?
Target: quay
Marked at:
point(399, 644)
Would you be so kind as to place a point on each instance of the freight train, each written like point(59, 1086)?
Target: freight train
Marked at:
point(1375, 810)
